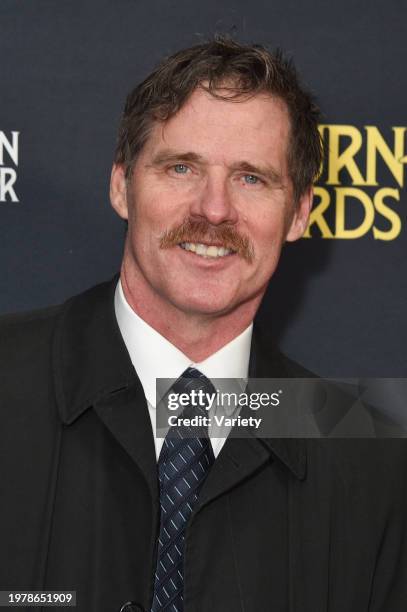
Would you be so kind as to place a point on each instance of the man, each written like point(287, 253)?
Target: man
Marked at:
point(218, 149)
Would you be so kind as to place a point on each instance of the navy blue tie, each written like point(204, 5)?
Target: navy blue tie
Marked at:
point(183, 465)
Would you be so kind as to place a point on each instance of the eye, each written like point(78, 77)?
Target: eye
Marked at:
point(251, 179)
point(180, 168)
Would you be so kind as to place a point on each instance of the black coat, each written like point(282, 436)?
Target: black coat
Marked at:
point(282, 525)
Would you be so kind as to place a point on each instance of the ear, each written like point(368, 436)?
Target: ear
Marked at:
point(118, 191)
point(301, 215)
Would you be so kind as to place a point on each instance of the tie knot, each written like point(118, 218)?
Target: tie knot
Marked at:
point(192, 372)
point(191, 395)
point(192, 381)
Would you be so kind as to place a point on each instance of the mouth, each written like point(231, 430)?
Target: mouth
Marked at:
point(209, 251)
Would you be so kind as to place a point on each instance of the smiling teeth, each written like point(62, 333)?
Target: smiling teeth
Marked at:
point(204, 250)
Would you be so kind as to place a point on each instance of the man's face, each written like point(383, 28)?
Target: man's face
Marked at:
point(210, 204)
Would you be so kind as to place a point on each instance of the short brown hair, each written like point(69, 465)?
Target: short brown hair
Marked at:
point(245, 70)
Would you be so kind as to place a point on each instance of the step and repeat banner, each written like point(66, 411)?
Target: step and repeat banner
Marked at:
point(338, 301)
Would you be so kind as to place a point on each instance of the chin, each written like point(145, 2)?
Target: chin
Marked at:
point(204, 306)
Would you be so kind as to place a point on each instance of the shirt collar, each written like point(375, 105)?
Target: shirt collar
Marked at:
point(153, 356)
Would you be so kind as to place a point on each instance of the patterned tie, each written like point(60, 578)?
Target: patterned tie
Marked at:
point(183, 465)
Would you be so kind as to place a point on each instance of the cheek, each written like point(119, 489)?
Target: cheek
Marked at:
point(267, 235)
point(145, 217)
point(158, 208)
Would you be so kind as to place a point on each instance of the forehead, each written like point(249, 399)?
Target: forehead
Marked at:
point(221, 129)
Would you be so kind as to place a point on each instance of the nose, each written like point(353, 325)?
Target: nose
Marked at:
point(214, 202)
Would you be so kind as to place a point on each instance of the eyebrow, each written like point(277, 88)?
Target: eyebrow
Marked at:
point(167, 156)
point(163, 157)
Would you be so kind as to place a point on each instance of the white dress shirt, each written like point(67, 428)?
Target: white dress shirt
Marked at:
point(153, 356)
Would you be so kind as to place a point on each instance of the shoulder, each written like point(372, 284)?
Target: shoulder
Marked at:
point(26, 326)
point(32, 328)
point(26, 344)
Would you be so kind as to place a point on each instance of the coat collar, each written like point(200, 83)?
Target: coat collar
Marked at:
point(92, 366)
point(89, 355)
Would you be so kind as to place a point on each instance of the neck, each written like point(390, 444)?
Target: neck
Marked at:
point(197, 335)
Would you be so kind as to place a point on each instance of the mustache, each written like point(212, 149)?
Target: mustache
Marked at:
point(193, 230)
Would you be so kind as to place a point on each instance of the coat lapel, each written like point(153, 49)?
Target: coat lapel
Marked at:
point(125, 414)
point(93, 369)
